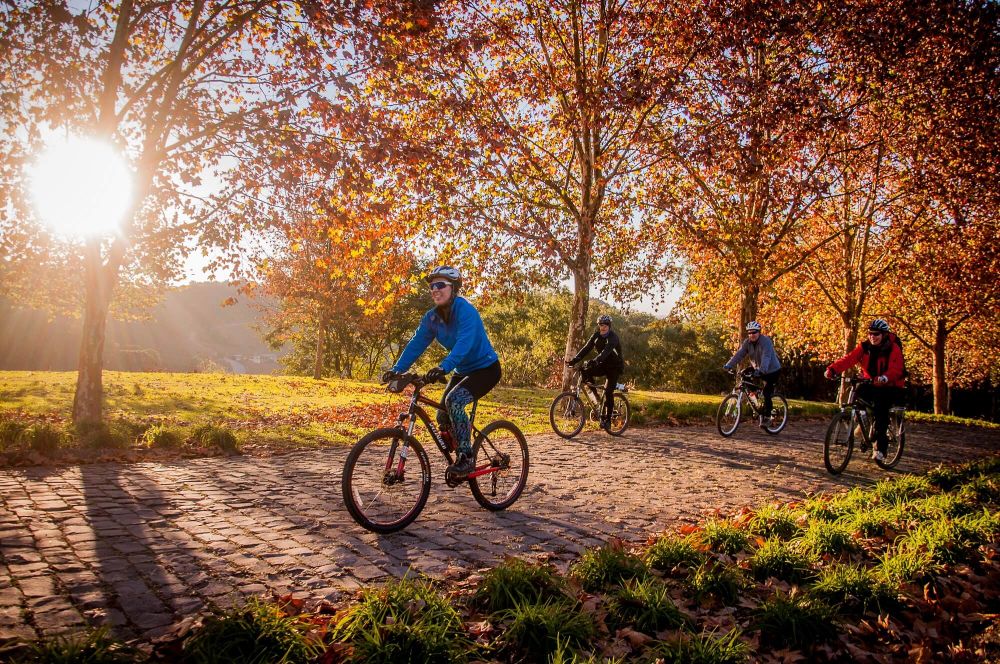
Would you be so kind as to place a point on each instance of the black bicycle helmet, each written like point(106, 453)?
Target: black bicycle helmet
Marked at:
point(604, 319)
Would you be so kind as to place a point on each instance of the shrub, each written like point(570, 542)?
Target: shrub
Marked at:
point(774, 521)
point(100, 435)
point(670, 552)
point(723, 582)
point(794, 620)
point(209, 435)
point(537, 630)
point(823, 538)
point(854, 588)
point(159, 436)
point(704, 648)
point(42, 438)
point(10, 433)
point(724, 536)
point(607, 566)
point(644, 605)
point(404, 621)
point(515, 581)
point(781, 560)
point(901, 489)
point(255, 632)
point(89, 647)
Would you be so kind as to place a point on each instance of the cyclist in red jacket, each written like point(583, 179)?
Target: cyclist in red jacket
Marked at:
point(881, 361)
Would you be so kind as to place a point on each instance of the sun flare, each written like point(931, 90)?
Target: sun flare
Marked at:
point(81, 187)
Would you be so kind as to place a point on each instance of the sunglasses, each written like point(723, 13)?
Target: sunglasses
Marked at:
point(754, 332)
point(438, 285)
point(875, 334)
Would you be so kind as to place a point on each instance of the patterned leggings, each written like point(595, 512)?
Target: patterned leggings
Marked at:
point(454, 411)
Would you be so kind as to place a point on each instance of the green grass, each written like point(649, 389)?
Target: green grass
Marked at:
point(536, 630)
point(89, 647)
point(256, 633)
point(299, 411)
point(781, 560)
point(515, 581)
point(644, 605)
point(404, 621)
point(773, 520)
point(670, 552)
point(795, 620)
point(724, 536)
point(607, 566)
point(854, 588)
point(704, 648)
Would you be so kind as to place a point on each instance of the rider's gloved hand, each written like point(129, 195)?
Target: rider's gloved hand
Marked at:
point(434, 375)
point(728, 369)
point(828, 374)
point(570, 362)
point(387, 376)
point(586, 365)
point(882, 380)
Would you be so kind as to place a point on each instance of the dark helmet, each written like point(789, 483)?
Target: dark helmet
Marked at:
point(604, 319)
point(879, 325)
point(753, 326)
point(447, 273)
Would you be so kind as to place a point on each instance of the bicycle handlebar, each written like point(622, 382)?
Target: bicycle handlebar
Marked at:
point(399, 382)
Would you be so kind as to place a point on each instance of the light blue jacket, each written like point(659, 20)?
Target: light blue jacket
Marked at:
point(762, 355)
point(464, 335)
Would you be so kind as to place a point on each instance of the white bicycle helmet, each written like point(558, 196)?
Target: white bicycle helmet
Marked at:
point(447, 273)
point(753, 326)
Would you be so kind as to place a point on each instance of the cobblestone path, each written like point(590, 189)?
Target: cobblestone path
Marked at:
point(143, 546)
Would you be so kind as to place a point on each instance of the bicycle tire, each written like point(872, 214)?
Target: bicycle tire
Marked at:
point(620, 414)
point(839, 442)
point(897, 441)
point(567, 414)
point(375, 498)
point(778, 402)
point(727, 419)
point(500, 443)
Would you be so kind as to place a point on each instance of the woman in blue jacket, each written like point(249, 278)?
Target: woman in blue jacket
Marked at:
point(457, 326)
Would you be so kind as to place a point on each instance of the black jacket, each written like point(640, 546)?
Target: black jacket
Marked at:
point(609, 351)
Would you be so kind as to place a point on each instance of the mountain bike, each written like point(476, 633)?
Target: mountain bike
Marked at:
point(569, 410)
point(855, 422)
point(384, 492)
point(747, 392)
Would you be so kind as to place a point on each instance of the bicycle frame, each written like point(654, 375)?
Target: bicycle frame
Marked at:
point(415, 412)
point(744, 386)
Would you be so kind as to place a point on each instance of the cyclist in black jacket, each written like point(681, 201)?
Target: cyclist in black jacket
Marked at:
point(609, 362)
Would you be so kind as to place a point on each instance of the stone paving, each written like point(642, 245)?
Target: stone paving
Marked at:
point(139, 547)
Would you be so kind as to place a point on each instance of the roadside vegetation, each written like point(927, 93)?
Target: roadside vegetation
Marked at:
point(170, 414)
point(906, 570)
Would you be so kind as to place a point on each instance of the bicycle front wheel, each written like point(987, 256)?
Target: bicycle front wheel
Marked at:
point(503, 449)
point(839, 443)
point(619, 415)
point(567, 414)
point(728, 417)
point(779, 415)
point(897, 440)
point(384, 492)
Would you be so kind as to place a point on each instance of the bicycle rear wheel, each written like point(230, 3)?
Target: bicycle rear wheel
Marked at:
point(839, 443)
point(619, 415)
point(779, 415)
point(728, 417)
point(502, 446)
point(897, 440)
point(377, 495)
point(567, 414)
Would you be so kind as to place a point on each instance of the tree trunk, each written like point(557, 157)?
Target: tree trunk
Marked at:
point(940, 380)
point(88, 401)
point(320, 360)
point(578, 318)
point(748, 309)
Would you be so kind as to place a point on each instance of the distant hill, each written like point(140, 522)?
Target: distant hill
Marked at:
point(188, 330)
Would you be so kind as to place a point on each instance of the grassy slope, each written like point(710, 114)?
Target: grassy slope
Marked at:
point(302, 410)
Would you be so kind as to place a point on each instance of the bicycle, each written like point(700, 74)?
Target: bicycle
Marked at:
point(569, 412)
point(730, 412)
point(855, 420)
point(383, 496)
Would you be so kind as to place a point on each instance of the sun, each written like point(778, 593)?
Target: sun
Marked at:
point(81, 187)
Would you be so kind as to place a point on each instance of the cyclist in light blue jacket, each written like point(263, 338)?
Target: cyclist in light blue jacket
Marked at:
point(760, 350)
point(457, 326)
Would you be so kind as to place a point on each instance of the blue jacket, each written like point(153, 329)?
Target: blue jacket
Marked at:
point(762, 355)
point(464, 335)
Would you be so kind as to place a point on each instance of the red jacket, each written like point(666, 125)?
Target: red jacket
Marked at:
point(887, 362)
